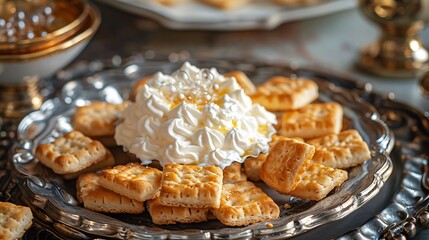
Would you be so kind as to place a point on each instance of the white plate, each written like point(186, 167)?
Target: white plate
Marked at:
point(259, 14)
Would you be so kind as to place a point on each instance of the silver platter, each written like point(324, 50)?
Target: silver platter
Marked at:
point(57, 211)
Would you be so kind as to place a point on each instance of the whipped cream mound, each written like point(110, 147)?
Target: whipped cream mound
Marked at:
point(194, 116)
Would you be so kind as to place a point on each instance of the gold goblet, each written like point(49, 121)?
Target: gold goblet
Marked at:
point(399, 51)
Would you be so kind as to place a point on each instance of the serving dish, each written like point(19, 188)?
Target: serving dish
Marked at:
point(256, 15)
point(54, 202)
point(18, 68)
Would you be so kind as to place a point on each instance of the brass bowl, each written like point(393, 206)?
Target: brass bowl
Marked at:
point(22, 75)
point(68, 18)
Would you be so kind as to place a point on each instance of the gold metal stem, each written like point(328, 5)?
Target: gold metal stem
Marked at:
point(18, 100)
point(399, 52)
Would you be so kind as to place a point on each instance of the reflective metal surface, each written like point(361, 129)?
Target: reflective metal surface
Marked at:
point(399, 52)
point(54, 204)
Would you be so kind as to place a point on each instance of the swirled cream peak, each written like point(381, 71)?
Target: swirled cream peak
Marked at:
point(194, 116)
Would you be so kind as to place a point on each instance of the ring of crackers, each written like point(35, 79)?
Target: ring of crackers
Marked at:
point(186, 193)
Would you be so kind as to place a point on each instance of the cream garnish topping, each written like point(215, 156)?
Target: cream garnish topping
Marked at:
point(194, 116)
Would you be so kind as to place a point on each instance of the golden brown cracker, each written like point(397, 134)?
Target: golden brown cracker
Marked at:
point(191, 186)
point(14, 220)
point(285, 163)
point(243, 203)
point(109, 161)
point(317, 181)
point(312, 121)
point(343, 150)
point(282, 93)
point(133, 181)
point(70, 153)
point(171, 215)
point(96, 198)
point(97, 119)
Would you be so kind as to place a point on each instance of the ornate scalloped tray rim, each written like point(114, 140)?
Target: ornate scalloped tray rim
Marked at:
point(45, 195)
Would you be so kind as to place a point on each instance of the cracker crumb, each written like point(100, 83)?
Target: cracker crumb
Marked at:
point(270, 225)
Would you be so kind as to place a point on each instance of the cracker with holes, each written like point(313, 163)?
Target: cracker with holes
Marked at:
point(14, 220)
point(242, 80)
point(243, 203)
point(71, 153)
point(132, 180)
point(285, 164)
point(282, 93)
point(225, 4)
point(108, 161)
point(253, 166)
point(96, 198)
point(191, 186)
point(162, 215)
point(343, 150)
point(317, 181)
point(97, 120)
point(312, 121)
point(234, 173)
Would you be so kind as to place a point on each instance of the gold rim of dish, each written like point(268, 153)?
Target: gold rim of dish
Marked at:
point(90, 26)
point(81, 8)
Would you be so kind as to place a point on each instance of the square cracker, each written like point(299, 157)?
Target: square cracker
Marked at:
point(191, 186)
point(243, 203)
point(132, 180)
point(97, 119)
point(253, 166)
point(71, 153)
point(242, 80)
point(171, 215)
point(96, 198)
point(14, 220)
point(234, 173)
point(109, 161)
point(225, 4)
point(282, 93)
point(285, 163)
point(312, 121)
point(343, 150)
point(317, 181)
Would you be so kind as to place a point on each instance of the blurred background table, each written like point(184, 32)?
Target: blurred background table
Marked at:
point(330, 42)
